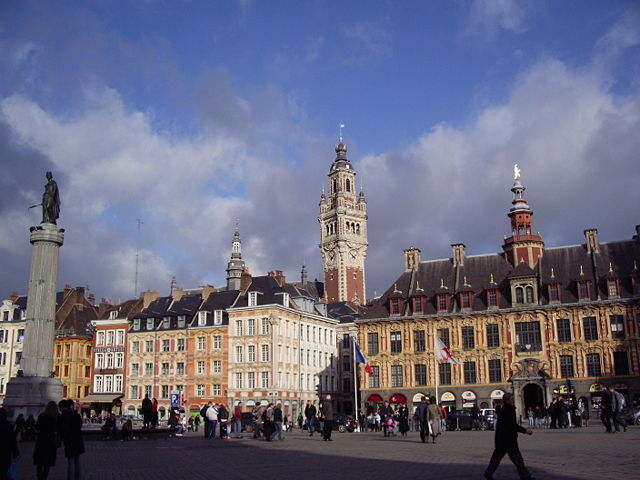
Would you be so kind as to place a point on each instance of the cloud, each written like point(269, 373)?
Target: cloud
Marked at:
point(366, 42)
point(488, 17)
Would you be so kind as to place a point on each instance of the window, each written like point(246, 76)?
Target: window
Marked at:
point(21, 335)
point(396, 375)
point(239, 328)
point(251, 326)
point(164, 368)
point(445, 373)
point(136, 324)
point(442, 302)
point(524, 294)
point(564, 329)
point(201, 343)
point(264, 379)
point(264, 353)
point(493, 335)
point(119, 359)
point(554, 293)
point(612, 288)
point(182, 321)
point(150, 323)
point(396, 342)
point(165, 345)
point(217, 389)
point(495, 371)
point(492, 298)
point(166, 323)
point(120, 337)
point(468, 338)
point(200, 367)
point(346, 385)
point(217, 342)
point(372, 343)
point(584, 290)
point(418, 304)
point(419, 343)
point(374, 378)
point(590, 327)
point(394, 306)
point(117, 383)
point(253, 299)
point(465, 300)
point(148, 369)
point(100, 360)
point(469, 369)
point(135, 369)
point(617, 326)
point(200, 390)
point(202, 318)
point(180, 368)
point(443, 334)
point(239, 380)
point(345, 340)
point(421, 374)
point(217, 317)
point(346, 363)
point(593, 365)
point(566, 366)
point(100, 337)
point(239, 355)
point(265, 326)
point(180, 345)
point(217, 366)
point(98, 384)
point(621, 363)
point(135, 347)
point(148, 390)
point(251, 380)
point(148, 346)
point(528, 337)
point(109, 360)
point(134, 391)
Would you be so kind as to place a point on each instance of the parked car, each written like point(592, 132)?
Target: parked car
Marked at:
point(488, 417)
point(460, 420)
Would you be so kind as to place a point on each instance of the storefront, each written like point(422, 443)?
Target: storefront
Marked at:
point(448, 400)
point(468, 399)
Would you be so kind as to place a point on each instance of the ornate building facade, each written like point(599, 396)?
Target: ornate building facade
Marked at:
point(343, 233)
point(533, 320)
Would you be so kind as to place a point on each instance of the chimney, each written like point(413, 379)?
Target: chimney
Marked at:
point(303, 275)
point(66, 291)
point(411, 258)
point(14, 296)
point(279, 276)
point(591, 236)
point(177, 293)
point(148, 297)
point(458, 253)
point(207, 290)
point(245, 279)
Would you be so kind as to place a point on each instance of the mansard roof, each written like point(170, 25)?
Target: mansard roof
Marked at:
point(570, 265)
point(345, 312)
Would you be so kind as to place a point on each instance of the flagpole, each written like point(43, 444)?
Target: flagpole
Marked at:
point(437, 372)
point(355, 383)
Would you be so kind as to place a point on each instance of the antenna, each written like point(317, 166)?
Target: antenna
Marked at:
point(135, 287)
point(341, 127)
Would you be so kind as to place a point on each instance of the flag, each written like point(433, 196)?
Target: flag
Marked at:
point(360, 359)
point(443, 353)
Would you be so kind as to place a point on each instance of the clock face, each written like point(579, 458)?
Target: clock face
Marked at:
point(354, 254)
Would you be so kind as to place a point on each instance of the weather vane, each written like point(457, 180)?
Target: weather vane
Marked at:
point(516, 172)
point(341, 127)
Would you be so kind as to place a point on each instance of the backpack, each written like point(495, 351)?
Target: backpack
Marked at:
point(203, 411)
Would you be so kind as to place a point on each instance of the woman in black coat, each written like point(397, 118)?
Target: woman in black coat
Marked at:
point(8, 446)
point(46, 448)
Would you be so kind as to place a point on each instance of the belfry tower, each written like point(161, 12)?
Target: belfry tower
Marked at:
point(236, 264)
point(523, 245)
point(343, 233)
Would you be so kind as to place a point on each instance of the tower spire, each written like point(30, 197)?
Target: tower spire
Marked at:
point(236, 264)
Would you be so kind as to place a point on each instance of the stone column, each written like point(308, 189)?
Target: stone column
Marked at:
point(35, 385)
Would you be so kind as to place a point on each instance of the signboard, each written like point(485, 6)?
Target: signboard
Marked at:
point(497, 395)
point(448, 397)
point(468, 395)
point(175, 399)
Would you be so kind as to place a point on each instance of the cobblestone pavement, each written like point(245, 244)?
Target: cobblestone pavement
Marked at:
point(582, 453)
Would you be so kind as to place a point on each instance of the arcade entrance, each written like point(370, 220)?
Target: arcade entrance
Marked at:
point(532, 396)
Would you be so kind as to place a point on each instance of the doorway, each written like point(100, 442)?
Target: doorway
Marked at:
point(532, 395)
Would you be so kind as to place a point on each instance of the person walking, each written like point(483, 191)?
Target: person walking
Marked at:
point(606, 406)
point(71, 434)
point(146, 411)
point(223, 420)
point(8, 445)
point(403, 420)
point(277, 422)
point(506, 440)
point(237, 420)
point(46, 448)
point(327, 417)
point(310, 414)
point(212, 416)
point(421, 413)
point(434, 419)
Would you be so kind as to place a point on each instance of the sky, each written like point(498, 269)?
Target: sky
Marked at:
point(191, 116)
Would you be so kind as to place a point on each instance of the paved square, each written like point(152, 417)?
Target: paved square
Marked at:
point(583, 453)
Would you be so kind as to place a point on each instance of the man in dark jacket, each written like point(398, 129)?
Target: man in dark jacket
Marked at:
point(71, 432)
point(8, 446)
point(421, 413)
point(506, 440)
point(327, 417)
point(310, 414)
point(606, 407)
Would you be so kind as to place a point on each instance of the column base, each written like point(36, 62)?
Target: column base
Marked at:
point(29, 395)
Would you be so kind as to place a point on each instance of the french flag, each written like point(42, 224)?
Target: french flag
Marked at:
point(360, 359)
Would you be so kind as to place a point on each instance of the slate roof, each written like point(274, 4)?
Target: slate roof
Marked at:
point(567, 263)
point(345, 312)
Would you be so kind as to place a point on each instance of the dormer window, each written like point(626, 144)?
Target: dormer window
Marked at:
point(285, 300)
point(524, 293)
point(554, 292)
point(394, 306)
point(492, 298)
point(182, 321)
point(418, 304)
point(202, 318)
point(466, 299)
point(253, 299)
point(113, 315)
point(136, 324)
point(613, 288)
point(584, 290)
point(217, 317)
point(442, 302)
point(149, 323)
point(166, 323)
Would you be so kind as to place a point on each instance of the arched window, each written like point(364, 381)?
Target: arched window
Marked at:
point(357, 228)
point(519, 295)
point(348, 184)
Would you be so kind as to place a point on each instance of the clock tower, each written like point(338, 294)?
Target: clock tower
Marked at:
point(343, 233)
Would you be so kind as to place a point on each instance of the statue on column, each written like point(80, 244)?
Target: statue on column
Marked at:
point(50, 201)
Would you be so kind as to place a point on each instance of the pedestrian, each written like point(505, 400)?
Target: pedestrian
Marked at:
point(154, 413)
point(530, 417)
point(421, 413)
point(237, 420)
point(223, 420)
point(617, 405)
point(203, 414)
point(109, 428)
point(20, 427)
point(212, 416)
point(8, 445)
point(47, 441)
point(277, 422)
point(146, 412)
point(310, 414)
point(327, 416)
point(258, 423)
point(386, 413)
point(175, 424)
point(506, 440)
point(300, 420)
point(403, 419)
point(606, 412)
point(434, 419)
point(71, 433)
point(267, 420)
point(445, 417)
point(196, 422)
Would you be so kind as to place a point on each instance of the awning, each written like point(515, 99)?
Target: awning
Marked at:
point(102, 397)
